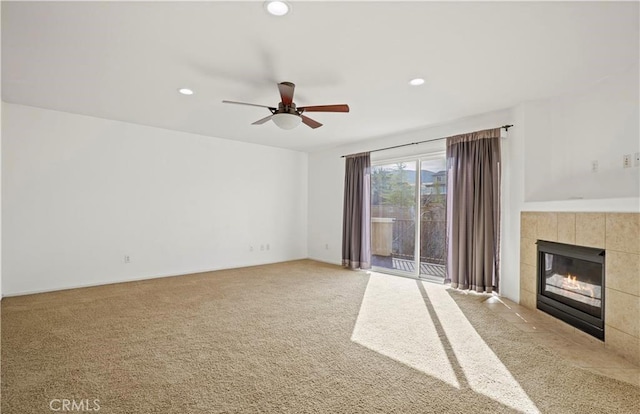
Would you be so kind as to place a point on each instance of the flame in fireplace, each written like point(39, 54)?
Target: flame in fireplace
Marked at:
point(572, 283)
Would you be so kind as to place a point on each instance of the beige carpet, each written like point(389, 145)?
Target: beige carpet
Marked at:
point(297, 337)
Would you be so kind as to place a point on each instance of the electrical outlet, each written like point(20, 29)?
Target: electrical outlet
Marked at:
point(636, 159)
point(127, 259)
point(626, 161)
point(326, 246)
point(594, 166)
point(268, 247)
point(262, 247)
point(250, 248)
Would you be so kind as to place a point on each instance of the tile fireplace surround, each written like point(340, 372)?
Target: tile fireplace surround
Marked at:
point(619, 235)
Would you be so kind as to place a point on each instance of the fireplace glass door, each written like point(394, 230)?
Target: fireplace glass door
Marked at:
point(571, 285)
point(575, 282)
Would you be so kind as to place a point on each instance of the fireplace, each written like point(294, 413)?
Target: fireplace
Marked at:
point(571, 285)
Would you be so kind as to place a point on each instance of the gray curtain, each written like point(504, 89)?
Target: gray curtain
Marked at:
point(356, 219)
point(473, 210)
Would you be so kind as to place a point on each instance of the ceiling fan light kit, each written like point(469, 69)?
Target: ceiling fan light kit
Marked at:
point(287, 115)
point(286, 121)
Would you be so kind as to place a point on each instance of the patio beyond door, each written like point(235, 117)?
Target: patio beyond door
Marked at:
point(408, 217)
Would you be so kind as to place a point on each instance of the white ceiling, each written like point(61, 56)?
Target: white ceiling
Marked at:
point(125, 61)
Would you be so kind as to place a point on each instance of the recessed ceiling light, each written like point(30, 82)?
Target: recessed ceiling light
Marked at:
point(416, 82)
point(277, 8)
point(185, 91)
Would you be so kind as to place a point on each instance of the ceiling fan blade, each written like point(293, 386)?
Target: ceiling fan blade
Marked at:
point(250, 104)
point(286, 92)
point(310, 122)
point(325, 108)
point(263, 120)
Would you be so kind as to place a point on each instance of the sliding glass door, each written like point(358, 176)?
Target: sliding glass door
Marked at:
point(433, 214)
point(408, 209)
point(393, 216)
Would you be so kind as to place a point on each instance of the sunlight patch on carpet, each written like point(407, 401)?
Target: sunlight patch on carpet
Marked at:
point(484, 371)
point(433, 336)
point(393, 321)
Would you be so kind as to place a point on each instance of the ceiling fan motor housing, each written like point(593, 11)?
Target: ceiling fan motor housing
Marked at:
point(287, 109)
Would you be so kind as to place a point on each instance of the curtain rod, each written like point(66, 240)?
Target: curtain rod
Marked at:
point(505, 127)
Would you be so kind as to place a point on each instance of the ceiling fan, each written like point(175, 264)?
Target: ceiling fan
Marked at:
point(287, 115)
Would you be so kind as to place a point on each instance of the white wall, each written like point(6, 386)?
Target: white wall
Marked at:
point(565, 134)
point(80, 193)
point(512, 200)
point(598, 123)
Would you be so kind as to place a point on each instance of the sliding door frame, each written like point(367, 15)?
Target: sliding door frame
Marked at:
point(417, 161)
